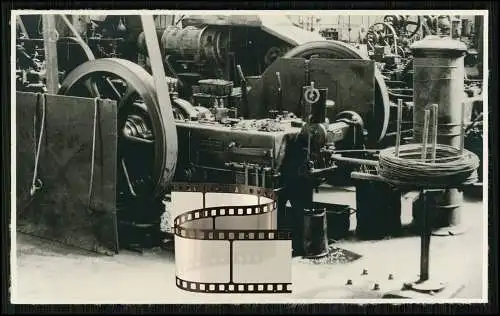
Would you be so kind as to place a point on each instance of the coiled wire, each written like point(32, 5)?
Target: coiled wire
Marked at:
point(451, 168)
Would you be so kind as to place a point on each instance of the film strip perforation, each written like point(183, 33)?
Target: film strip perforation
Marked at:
point(252, 235)
point(225, 211)
point(202, 287)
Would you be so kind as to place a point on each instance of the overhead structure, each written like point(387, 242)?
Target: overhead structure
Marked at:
point(275, 24)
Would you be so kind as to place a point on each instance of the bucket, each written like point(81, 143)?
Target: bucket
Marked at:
point(338, 219)
point(315, 233)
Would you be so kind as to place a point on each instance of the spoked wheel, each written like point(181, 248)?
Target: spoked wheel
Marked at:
point(147, 137)
point(382, 34)
point(412, 25)
point(406, 26)
point(377, 126)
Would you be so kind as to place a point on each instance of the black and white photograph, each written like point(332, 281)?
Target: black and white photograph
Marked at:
point(249, 157)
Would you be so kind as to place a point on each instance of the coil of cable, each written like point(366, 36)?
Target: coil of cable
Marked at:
point(450, 168)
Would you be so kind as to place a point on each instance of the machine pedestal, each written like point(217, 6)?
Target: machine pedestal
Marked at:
point(425, 287)
point(448, 291)
point(451, 230)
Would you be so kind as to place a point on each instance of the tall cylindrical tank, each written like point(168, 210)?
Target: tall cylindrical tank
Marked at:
point(439, 79)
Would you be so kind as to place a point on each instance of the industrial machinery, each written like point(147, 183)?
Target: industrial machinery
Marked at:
point(278, 121)
point(286, 145)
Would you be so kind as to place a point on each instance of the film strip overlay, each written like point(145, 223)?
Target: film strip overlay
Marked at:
point(227, 241)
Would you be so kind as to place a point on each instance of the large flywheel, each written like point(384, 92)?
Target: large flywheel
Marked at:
point(338, 50)
point(145, 164)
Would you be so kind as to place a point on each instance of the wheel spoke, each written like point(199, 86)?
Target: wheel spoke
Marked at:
point(92, 88)
point(127, 178)
point(113, 88)
point(137, 140)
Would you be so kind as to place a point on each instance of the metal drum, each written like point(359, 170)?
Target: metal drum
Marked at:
point(439, 79)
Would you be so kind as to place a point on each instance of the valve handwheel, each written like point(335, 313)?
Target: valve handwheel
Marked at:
point(311, 94)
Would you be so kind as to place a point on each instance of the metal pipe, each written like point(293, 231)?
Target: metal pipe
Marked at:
point(256, 176)
point(398, 127)
point(263, 184)
point(462, 130)
point(366, 176)
point(434, 130)
point(355, 161)
point(246, 174)
point(425, 240)
point(426, 135)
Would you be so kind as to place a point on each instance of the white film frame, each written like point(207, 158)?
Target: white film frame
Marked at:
point(226, 240)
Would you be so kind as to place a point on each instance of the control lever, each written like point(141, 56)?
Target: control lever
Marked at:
point(279, 105)
point(243, 85)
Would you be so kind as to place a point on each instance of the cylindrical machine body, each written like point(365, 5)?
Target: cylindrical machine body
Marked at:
point(193, 43)
point(184, 42)
point(439, 79)
point(315, 233)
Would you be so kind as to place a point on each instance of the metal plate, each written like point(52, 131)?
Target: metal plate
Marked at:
point(60, 210)
point(264, 93)
point(350, 84)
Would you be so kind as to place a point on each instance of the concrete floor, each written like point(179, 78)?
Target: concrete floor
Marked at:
point(52, 273)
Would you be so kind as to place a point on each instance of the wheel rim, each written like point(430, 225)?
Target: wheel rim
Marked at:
point(339, 50)
point(139, 114)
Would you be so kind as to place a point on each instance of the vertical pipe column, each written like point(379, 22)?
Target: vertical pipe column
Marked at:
point(50, 36)
point(439, 79)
